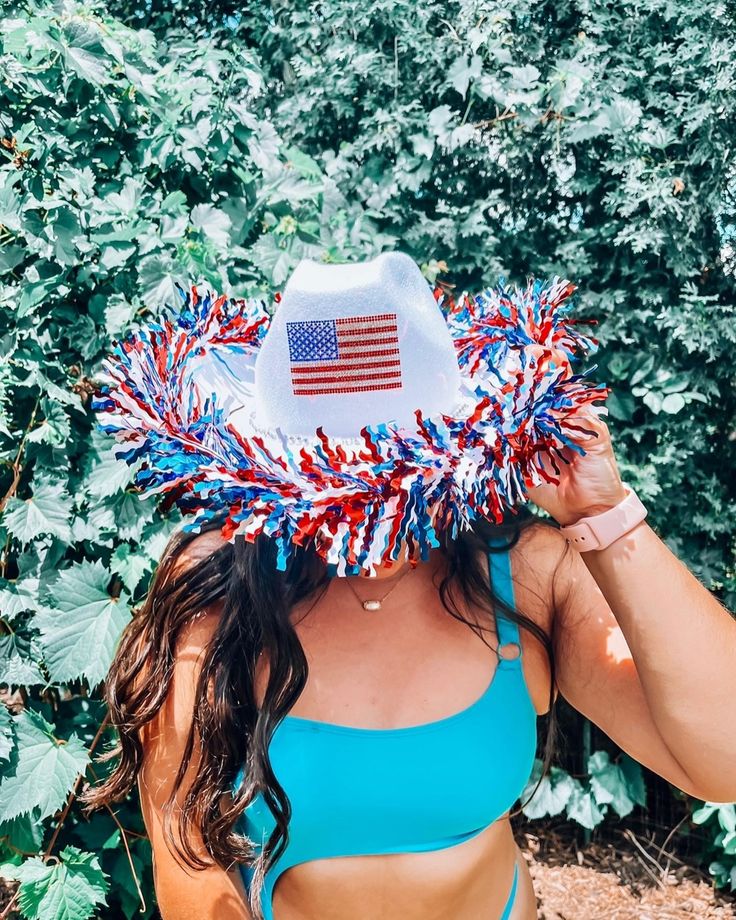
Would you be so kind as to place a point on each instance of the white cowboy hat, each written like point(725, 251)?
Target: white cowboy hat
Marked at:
point(367, 413)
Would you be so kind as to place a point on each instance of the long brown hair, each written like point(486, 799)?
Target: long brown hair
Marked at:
point(231, 730)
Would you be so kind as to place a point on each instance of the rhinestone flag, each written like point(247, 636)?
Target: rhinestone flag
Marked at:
point(354, 354)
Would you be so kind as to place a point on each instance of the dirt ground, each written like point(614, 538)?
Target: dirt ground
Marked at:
point(624, 876)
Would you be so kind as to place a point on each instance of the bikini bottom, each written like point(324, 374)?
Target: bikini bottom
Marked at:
point(512, 895)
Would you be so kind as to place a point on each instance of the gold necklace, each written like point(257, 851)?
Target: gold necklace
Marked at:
point(377, 603)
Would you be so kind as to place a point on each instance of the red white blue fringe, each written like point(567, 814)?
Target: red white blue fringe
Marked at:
point(365, 503)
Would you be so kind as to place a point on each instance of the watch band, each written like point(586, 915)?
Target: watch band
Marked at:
point(600, 530)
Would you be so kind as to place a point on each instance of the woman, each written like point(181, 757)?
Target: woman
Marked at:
point(329, 698)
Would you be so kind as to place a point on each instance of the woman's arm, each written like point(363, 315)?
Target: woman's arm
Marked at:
point(183, 893)
point(644, 649)
point(683, 646)
point(647, 654)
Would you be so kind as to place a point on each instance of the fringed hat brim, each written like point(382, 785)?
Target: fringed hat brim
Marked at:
point(363, 501)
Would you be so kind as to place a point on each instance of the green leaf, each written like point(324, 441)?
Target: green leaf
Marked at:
point(729, 844)
point(65, 232)
point(116, 255)
point(7, 737)
point(525, 77)
point(552, 795)
point(675, 383)
point(643, 370)
point(123, 880)
point(42, 770)
point(24, 833)
point(118, 314)
point(608, 783)
point(80, 632)
point(306, 166)
point(706, 811)
point(463, 72)
point(579, 131)
point(583, 808)
point(54, 428)
point(47, 511)
point(622, 114)
point(100, 833)
point(621, 405)
point(653, 400)
point(70, 889)
point(10, 257)
point(727, 817)
point(157, 275)
point(130, 566)
point(15, 598)
point(35, 291)
point(18, 667)
point(213, 222)
point(634, 776)
point(108, 475)
point(83, 52)
point(131, 514)
point(721, 873)
point(672, 403)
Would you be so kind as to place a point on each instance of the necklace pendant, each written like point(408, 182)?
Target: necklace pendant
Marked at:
point(371, 605)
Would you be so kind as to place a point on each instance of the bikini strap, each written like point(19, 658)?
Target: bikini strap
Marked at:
point(499, 566)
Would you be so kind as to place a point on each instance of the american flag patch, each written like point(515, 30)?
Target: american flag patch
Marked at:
point(350, 355)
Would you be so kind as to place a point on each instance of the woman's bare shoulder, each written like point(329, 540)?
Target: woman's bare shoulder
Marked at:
point(198, 549)
point(193, 637)
point(199, 630)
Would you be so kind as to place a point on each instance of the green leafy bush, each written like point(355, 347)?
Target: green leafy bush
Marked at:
point(126, 165)
point(585, 140)
point(721, 819)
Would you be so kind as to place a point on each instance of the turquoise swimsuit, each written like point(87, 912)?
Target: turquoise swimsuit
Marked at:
point(364, 791)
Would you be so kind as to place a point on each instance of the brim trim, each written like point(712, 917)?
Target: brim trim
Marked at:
point(363, 502)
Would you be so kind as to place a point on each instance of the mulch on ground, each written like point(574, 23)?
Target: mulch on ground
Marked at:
point(625, 875)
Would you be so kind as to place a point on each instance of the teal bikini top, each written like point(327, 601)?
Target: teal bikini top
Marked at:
point(363, 791)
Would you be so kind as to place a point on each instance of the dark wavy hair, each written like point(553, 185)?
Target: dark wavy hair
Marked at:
point(232, 731)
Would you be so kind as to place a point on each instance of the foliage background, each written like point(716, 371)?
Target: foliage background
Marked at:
point(141, 144)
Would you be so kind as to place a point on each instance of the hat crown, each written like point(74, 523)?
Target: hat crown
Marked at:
point(355, 344)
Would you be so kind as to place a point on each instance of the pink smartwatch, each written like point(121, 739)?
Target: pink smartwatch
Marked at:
point(600, 530)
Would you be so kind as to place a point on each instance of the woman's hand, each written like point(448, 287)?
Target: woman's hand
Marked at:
point(589, 484)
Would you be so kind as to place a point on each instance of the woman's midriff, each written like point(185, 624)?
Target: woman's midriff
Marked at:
point(468, 881)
